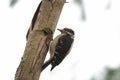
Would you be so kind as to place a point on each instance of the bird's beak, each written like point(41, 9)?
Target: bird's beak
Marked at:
point(59, 30)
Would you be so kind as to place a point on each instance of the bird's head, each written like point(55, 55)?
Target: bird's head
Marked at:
point(67, 31)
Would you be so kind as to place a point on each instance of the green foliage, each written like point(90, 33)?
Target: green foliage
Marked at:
point(110, 74)
point(78, 1)
point(113, 74)
point(13, 2)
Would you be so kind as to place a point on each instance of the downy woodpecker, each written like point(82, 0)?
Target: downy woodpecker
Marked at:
point(60, 47)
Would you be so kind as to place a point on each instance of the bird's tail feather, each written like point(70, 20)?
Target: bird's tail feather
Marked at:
point(46, 64)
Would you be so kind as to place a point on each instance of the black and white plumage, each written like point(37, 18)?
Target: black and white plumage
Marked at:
point(60, 47)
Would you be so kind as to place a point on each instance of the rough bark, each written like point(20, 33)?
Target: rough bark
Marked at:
point(39, 39)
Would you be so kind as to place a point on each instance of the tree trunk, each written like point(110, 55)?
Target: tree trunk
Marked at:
point(39, 39)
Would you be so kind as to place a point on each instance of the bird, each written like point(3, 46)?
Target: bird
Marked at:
point(60, 47)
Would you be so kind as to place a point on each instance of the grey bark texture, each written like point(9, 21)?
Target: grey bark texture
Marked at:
point(39, 40)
